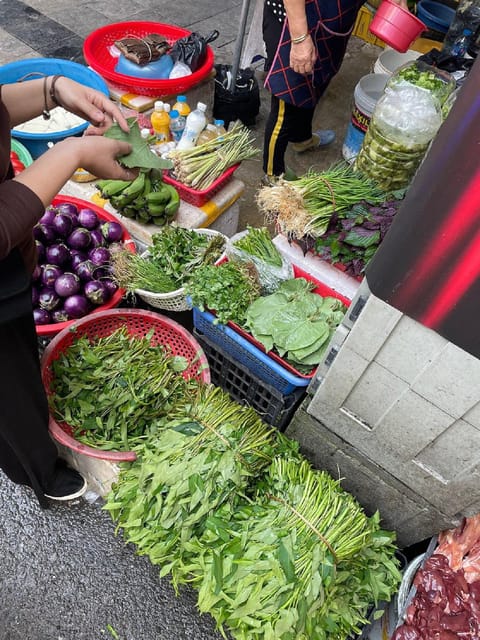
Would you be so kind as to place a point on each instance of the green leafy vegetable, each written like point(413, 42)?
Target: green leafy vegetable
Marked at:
point(228, 289)
point(302, 560)
point(257, 242)
point(116, 389)
point(141, 156)
point(296, 322)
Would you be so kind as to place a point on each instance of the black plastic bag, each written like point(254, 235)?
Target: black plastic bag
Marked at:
point(244, 103)
point(192, 49)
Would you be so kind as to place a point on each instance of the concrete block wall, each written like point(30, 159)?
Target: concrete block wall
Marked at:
point(405, 404)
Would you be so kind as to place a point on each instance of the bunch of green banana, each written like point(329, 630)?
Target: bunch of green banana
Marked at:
point(146, 198)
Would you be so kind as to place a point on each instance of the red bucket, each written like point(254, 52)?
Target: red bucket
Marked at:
point(396, 26)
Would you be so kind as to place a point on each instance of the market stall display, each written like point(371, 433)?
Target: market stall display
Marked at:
point(75, 240)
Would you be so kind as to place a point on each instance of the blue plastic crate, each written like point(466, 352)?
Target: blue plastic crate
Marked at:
point(247, 354)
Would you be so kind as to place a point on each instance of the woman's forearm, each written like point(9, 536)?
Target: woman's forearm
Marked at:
point(296, 16)
point(26, 100)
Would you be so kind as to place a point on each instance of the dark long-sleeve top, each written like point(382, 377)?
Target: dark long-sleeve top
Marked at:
point(20, 208)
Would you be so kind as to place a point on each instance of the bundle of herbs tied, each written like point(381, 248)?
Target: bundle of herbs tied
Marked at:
point(208, 453)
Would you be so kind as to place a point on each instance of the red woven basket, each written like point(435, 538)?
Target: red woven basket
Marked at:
point(47, 330)
point(138, 322)
point(96, 51)
point(197, 197)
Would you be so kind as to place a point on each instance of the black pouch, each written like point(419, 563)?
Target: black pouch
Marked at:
point(192, 49)
point(244, 103)
point(15, 295)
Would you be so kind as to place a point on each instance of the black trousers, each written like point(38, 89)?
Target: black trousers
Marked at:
point(286, 123)
point(27, 453)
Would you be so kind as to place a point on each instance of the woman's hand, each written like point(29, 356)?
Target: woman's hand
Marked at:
point(303, 56)
point(96, 154)
point(90, 104)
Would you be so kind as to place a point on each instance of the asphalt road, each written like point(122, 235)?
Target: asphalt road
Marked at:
point(65, 575)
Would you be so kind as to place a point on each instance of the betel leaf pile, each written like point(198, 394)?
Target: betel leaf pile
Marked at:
point(295, 322)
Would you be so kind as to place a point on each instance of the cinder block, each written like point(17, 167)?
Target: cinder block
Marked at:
point(454, 452)
point(374, 394)
point(451, 381)
point(376, 322)
point(409, 349)
point(335, 388)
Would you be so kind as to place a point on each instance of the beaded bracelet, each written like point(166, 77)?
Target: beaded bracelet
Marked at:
point(300, 38)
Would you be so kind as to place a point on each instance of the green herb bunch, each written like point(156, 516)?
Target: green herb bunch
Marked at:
point(212, 450)
point(174, 255)
point(116, 389)
point(228, 289)
point(257, 242)
point(301, 561)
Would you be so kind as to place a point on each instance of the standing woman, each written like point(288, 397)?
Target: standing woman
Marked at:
point(305, 42)
point(27, 454)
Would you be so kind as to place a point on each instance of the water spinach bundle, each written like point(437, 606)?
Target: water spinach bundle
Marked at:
point(115, 390)
point(209, 453)
point(301, 562)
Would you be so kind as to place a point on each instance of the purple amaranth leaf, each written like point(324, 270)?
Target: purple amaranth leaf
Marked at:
point(371, 225)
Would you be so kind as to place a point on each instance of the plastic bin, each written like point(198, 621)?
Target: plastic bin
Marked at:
point(245, 387)
point(245, 353)
point(198, 197)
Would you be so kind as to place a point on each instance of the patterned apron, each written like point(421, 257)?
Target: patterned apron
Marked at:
point(330, 23)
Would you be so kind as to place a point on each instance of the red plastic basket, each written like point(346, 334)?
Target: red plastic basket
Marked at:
point(96, 51)
point(46, 330)
point(194, 196)
point(139, 323)
point(322, 290)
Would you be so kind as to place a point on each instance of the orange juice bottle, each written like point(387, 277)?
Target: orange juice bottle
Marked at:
point(181, 106)
point(160, 120)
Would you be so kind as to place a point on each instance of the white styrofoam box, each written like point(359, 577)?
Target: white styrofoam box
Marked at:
point(319, 269)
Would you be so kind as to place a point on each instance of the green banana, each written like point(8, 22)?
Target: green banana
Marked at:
point(110, 188)
point(136, 186)
point(159, 197)
point(156, 210)
point(129, 212)
point(160, 221)
point(173, 203)
point(147, 187)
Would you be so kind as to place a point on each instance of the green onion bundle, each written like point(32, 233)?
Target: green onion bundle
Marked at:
point(210, 453)
point(304, 206)
point(302, 561)
point(117, 389)
point(200, 166)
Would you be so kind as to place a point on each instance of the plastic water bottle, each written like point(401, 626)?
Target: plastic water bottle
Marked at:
point(182, 106)
point(209, 133)
point(160, 120)
point(461, 45)
point(220, 124)
point(195, 124)
point(177, 125)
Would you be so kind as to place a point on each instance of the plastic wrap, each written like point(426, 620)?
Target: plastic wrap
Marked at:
point(270, 277)
point(431, 80)
point(405, 120)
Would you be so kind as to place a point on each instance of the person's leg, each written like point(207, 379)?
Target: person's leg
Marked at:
point(27, 453)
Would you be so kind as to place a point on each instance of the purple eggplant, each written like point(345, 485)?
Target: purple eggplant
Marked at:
point(67, 285)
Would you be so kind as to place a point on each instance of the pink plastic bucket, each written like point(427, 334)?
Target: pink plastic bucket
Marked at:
point(396, 26)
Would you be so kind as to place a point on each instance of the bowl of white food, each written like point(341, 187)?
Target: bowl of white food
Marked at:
point(38, 134)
